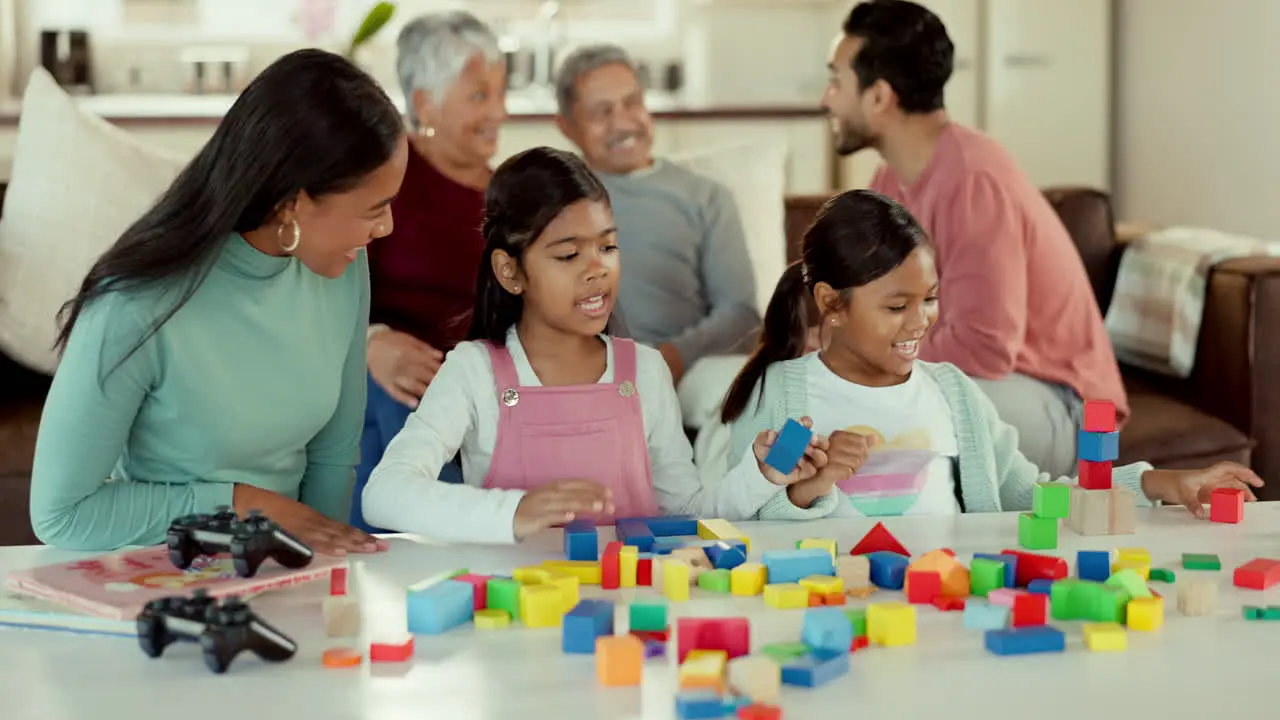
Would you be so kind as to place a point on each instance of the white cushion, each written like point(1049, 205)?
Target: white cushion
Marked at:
point(77, 183)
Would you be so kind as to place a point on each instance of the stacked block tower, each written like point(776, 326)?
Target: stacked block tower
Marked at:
point(1098, 508)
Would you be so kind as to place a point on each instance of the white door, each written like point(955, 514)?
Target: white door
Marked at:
point(1048, 87)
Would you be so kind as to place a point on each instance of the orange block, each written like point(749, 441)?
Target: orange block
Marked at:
point(833, 599)
point(815, 600)
point(955, 576)
point(619, 660)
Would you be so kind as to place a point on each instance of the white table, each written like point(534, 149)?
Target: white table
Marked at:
point(1193, 667)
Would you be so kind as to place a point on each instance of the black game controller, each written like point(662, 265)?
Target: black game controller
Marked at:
point(222, 629)
point(249, 541)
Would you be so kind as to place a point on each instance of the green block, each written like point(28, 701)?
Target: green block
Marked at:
point(1162, 575)
point(1107, 604)
point(1196, 561)
point(503, 594)
point(1271, 613)
point(857, 616)
point(785, 652)
point(1131, 582)
point(647, 616)
point(1051, 500)
point(1037, 533)
point(1064, 598)
point(985, 575)
point(1252, 613)
point(714, 580)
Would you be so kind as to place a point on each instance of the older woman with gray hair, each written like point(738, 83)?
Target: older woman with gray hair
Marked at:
point(423, 274)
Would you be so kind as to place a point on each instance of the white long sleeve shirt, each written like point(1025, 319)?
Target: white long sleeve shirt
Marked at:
point(460, 412)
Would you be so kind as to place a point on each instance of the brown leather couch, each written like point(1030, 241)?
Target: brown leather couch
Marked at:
point(1229, 409)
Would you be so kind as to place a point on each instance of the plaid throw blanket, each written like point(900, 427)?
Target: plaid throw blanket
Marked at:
point(1155, 314)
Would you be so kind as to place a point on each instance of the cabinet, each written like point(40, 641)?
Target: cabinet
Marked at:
point(1036, 76)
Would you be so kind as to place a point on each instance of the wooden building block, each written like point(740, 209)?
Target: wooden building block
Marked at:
point(1051, 500)
point(1143, 570)
point(755, 677)
point(491, 619)
point(541, 606)
point(715, 581)
point(952, 574)
point(587, 572)
point(1226, 505)
point(1105, 637)
point(1146, 614)
point(341, 616)
point(704, 670)
point(821, 543)
point(823, 584)
point(1093, 475)
point(619, 660)
point(1037, 533)
point(1140, 556)
point(1099, 416)
point(747, 579)
point(721, 530)
point(891, 624)
point(1124, 513)
point(922, 586)
point(854, 571)
point(1201, 561)
point(568, 586)
point(1090, 511)
point(647, 615)
point(1197, 596)
point(985, 575)
point(628, 565)
point(1257, 574)
point(677, 576)
point(786, 596)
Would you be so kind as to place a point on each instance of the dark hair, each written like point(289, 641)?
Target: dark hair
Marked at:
point(857, 237)
point(311, 121)
point(526, 193)
point(905, 45)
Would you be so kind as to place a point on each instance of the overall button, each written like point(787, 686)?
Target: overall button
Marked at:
point(510, 397)
point(627, 389)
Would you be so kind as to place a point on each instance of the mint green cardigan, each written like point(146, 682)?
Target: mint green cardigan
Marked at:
point(994, 475)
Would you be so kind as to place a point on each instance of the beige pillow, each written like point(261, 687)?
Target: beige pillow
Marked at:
point(77, 183)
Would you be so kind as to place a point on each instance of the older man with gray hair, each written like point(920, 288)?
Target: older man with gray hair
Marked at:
point(687, 286)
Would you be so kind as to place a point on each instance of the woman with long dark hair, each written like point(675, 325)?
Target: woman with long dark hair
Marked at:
point(215, 355)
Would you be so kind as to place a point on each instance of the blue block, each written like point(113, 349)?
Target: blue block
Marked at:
point(734, 703)
point(888, 569)
point(1040, 586)
point(440, 607)
point(673, 525)
point(1010, 566)
point(664, 545)
point(789, 566)
point(1093, 565)
point(581, 542)
point(827, 629)
point(982, 615)
point(635, 531)
point(1026, 640)
point(726, 554)
point(1099, 446)
point(588, 620)
point(789, 447)
point(699, 704)
point(817, 668)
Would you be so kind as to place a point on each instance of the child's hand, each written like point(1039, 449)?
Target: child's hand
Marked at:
point(1192, 488)
point(846, 452)
point(810, 463)
point(560, 502)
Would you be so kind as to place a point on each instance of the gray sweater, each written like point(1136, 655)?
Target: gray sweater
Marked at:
point(686, 275)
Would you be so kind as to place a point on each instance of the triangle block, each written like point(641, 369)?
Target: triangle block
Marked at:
point(879, 539)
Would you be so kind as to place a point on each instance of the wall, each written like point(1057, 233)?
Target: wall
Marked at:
point(1198, 119)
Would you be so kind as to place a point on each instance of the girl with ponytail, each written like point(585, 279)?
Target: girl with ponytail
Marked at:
point(895, 435)
point(556, 418)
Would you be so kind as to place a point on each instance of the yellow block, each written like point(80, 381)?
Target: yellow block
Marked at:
point(628, 562)
point(530, 575)
point(721, 530)
point(588, 572)
point(1105, 637)
point(1145, 614)
point(704, 670)
point(819, 543)
point(1143, 569)
point(785, 596)
point(748, 579)
point(568, 585)
point(675, 579)
point(823, 584)
point(891, 624)
point(541, 605)
point(1137, 555)
point(492, 619)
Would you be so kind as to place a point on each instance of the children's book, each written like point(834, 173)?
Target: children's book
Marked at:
point(118, 585)
point(28, 612)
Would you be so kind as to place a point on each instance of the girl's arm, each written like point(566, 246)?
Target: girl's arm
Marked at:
point(404, 492)
point(87, 421)
point(333, 452)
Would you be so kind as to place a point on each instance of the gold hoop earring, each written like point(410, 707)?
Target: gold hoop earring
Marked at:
point(297, 237)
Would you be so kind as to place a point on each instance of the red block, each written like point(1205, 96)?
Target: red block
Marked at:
point(651, 635)
point(923, 586)
point(381, 652)
point(760, 712)
point(338, 581)
point(1032, 566)
point(877, 539)
point(1099, 416)
point(644, 572)
point(1030, 609)
point(1226, 505)
point(480, 584)
point(610, 566)
point(1258, 574)
point(732, 635)
point(1094, 475)
point(859, 643)
point(948, 604)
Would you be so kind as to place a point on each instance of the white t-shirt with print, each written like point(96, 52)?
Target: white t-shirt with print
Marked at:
point(911, 469)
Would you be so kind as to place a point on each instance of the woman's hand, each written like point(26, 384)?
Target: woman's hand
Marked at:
point(810, 463)
point(1192, 488)
point(402, 365)
point(560, 502)
point(320, 533)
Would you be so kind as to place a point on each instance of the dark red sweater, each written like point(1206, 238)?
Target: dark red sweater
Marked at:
point(423, 274)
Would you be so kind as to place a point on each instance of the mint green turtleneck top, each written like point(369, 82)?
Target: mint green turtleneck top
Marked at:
point(258, 379)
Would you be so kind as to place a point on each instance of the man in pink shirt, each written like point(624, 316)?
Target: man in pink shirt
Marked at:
point(1016, 310)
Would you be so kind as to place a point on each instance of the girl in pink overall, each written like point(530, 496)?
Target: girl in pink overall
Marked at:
point(554, 418)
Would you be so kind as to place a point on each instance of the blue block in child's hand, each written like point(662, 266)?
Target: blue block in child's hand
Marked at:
point(789, 447)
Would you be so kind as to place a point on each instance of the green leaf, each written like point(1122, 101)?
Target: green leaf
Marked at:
point(378, 16)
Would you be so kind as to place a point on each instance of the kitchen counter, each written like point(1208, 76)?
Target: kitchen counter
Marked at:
point(141, 109)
